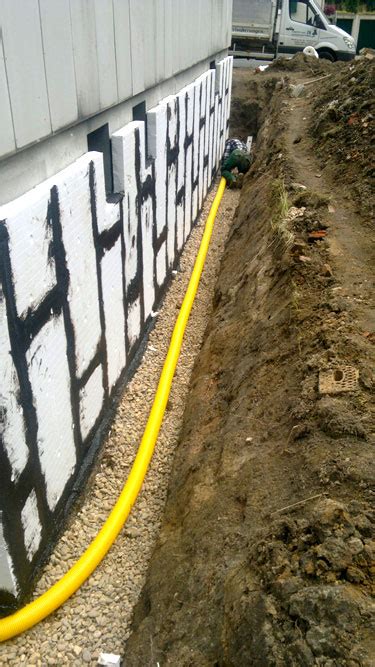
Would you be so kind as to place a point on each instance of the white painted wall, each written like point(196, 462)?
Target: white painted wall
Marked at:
point(79, 278)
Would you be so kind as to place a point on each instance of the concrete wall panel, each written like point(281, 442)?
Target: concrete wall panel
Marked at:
point(215, 162)
point(121, 15)
point(202, 137)
point(184, 19)
point(159, 28)
point(181, 169)
point(77, 236)
point(146, 196)
point(169, 38)
point(23, 51)
point(204, 32)
point(189, 173)
point(157, 124)
point(123, 146)
point(138, 22)
point(229, 96)
point(50, 382)
point(126, 174)
point(219, 89)
point(196, 134)
point(106, 53)
point(7, 139)
point(85, 56)
point(211, 144)
point(209, 130)
point(172, 153)
point(59, 62)
point(30, 238)
point(114, 314)
point(91, 402)
point(228, 23)
point(149, 34)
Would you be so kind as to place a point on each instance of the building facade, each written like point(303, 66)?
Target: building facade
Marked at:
point(113, 118)
point(360, 26)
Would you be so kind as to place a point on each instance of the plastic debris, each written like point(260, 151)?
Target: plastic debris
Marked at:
point(318, 235)
point(109, 660)
point(338, 380)
point(310, 51)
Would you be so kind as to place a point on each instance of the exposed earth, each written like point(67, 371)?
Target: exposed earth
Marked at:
point(267, 555)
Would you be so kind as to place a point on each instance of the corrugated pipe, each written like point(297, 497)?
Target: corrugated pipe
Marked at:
point(40, 608)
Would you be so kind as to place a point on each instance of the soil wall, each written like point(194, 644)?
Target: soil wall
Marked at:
point(266, 555)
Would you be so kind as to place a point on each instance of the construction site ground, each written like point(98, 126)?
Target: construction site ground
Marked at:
point(266, 555)
point(261, 553)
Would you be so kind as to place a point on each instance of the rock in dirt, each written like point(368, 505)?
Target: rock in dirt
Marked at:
point(297, 187)
point(327, 271)
point(297, 90)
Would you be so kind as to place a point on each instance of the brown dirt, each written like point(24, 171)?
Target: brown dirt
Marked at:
point(344, 130)
point(303, 63)
point(267, 552)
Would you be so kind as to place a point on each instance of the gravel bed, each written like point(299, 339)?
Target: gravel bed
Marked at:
point(97, 618)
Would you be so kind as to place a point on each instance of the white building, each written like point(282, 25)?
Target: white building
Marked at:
point(113, 118)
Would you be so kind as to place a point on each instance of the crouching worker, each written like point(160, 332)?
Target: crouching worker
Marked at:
point(235, 163)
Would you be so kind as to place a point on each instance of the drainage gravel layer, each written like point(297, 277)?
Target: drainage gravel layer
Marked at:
point(97, 618)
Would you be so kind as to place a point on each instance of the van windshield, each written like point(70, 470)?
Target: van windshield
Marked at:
point(304, 12)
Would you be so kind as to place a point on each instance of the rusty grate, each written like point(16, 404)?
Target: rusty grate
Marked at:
point(343, 378)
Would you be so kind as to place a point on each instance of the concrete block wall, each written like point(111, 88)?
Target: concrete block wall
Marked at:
point(79, 280)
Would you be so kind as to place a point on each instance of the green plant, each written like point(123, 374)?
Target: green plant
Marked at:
point(351, 5)
point(356, 5)
point(348, 5)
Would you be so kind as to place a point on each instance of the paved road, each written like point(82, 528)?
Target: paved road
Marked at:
point(251, 63)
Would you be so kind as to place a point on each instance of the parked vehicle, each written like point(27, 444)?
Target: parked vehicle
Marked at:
point(268, 28)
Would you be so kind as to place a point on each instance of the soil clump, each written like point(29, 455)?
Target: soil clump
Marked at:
point(302, 63)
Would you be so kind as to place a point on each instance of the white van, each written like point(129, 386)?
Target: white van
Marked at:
point(267, 28)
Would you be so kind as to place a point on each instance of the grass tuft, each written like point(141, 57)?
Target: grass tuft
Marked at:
point(280, 221)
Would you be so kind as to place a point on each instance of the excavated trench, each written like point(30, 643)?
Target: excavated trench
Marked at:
point(266, 552)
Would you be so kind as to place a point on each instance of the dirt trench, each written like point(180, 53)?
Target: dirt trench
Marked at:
point(266, 555)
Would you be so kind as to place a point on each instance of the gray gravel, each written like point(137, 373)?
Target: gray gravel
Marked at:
point(97, 618)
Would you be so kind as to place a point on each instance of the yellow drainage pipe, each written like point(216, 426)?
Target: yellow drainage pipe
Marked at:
point(52, 599)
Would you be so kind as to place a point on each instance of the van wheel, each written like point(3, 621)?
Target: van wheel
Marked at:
point(327, 55)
